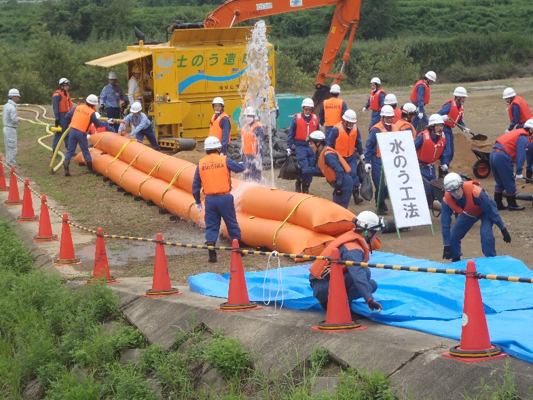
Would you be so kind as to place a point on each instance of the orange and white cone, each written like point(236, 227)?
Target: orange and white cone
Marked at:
point(161, 282)
point(45, 227)
point(101, 271)
point(27, 215)
point(13, 198)
point(3, 186)
point(66, 247)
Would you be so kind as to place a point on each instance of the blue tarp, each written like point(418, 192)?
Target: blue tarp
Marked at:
point(426, 302)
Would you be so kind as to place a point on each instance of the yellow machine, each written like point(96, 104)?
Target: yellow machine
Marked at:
point(185, 75)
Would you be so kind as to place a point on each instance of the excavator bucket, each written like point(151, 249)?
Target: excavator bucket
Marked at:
point(321, 94)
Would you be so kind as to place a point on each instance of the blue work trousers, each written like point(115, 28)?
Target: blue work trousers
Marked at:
point(254, 165)
point(529, 156)
point(306, 159)
point(113, 112)
point(77, 137)
point(321, 287)
point(376, 117)
point(462, 226)
point(449, 144)
point(64, 125)
point(376, 174)
point(344, 198)
point(150, 135)
point(352, 162)
point(428, 173)
point(503, 170)
point(327, 132)
point(217, 208)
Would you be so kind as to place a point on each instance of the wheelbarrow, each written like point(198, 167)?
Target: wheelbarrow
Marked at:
point(437, 193)
point(482, 165)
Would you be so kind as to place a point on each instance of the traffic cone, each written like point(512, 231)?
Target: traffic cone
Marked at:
point(238, 292)
point(161, 283)
point(101, 264)
point(66, 247)
point(475, 341)
point(27, 214)
point(13, 198)
point(3, 186)
point(45, 227)
point(338, 317)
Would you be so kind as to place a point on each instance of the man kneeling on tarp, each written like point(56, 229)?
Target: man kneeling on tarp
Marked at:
point(354, 246)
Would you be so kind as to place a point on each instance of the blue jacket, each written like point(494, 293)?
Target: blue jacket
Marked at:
point(111, 95)
point(292, 130)
point(140, 123)
point(420, 94)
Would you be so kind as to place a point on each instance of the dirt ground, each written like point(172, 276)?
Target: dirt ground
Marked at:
point(485, 113)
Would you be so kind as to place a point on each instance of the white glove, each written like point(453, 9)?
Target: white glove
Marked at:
point(110, 121)
point(362, 157)
point(88, 137)
point(445, 118)
point(364, 109)
point(466, 130)
point(520, 176)
point(444, 167)
point(199, 206)
point(289, 152)
point(368, 167)
point(420, 115)
point(507, 131)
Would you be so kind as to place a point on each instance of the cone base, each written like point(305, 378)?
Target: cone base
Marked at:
point(8, 203)
point(4, 189)
point(225, 307)
point(28, 219)
point(471, 356)
point(52, 238)
point(162, 293)
point(72, 261)
point(109, 281)
point(337, 328)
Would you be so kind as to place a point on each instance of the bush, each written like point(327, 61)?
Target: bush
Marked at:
point(126, 383)
point(14, 256)
point(228, 357)
point(72, 386)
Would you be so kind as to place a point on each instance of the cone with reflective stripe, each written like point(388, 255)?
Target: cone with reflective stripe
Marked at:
point(475, 340)
point(13, 198)
point(338, 317)
point(66, 247)
point(27, 214)
point(238, 299)
point(101, 264)
point(45, 227)
point(3, 186)
point(161, 282)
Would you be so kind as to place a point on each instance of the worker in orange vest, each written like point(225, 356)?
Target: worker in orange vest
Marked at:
point(252, 135)
point(355, 245)
point(214, 175)
point(421, 95)
point(375, 101)
point(470, 203)
point(220, 125)
point(332, 110)
point(408, 114)
point(62, 104)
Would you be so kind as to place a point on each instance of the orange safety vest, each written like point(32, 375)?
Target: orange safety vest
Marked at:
point(430, 151)
point(215, 129)
point(374, 99)
point(215, 175)
point(345, 143)
point(403, 125)
point(382, 128)
point(81, 119)
point(333, 111)
point(455, 113)
point(303, 129)
point(508, 141)
point(471, 189)
point(414, 93)
point(328, 172)
point(525, 112)
point(352, 241)
point(249, 140)
point(397, 115)
point(65, 104)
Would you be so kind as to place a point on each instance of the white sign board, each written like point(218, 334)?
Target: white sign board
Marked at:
point(404, 181)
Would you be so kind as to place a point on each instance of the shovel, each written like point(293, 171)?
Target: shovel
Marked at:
point(478, 136)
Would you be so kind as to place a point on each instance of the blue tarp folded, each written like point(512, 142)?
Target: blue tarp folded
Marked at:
point(426, 302)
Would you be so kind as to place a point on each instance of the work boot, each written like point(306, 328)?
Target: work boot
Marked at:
point(498, 197)
point(298, 186)
point(90, 166)
point(212, 253)
point(529, 174)
point(323, 305)
point(511, 200)
point(305, 187)
point(382, 209)
point(66, 165)
point(384, 205)
point(356, 198)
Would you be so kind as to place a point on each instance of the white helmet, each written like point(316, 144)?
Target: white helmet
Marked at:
point(218, 100)
point(460, 92)
point(432, 76)
point(452, 181)
point(528, 124)
point(409, 108)
point(335, 89)
point(249, 112)
point(376, 80)
point(435, 119)
point(387, 111)
point(13, 93)
point(317, 136)
point(112, 75)
point(97, 115)
point(508, 93)
point(350, 116)
point(390, 99)
point(368, 221)
point(92, 100)
point(212, 143)
point(308, 103)
point(136, 107)
point(64, 81)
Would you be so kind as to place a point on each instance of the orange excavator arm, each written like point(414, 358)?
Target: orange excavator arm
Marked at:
point(346, 17)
